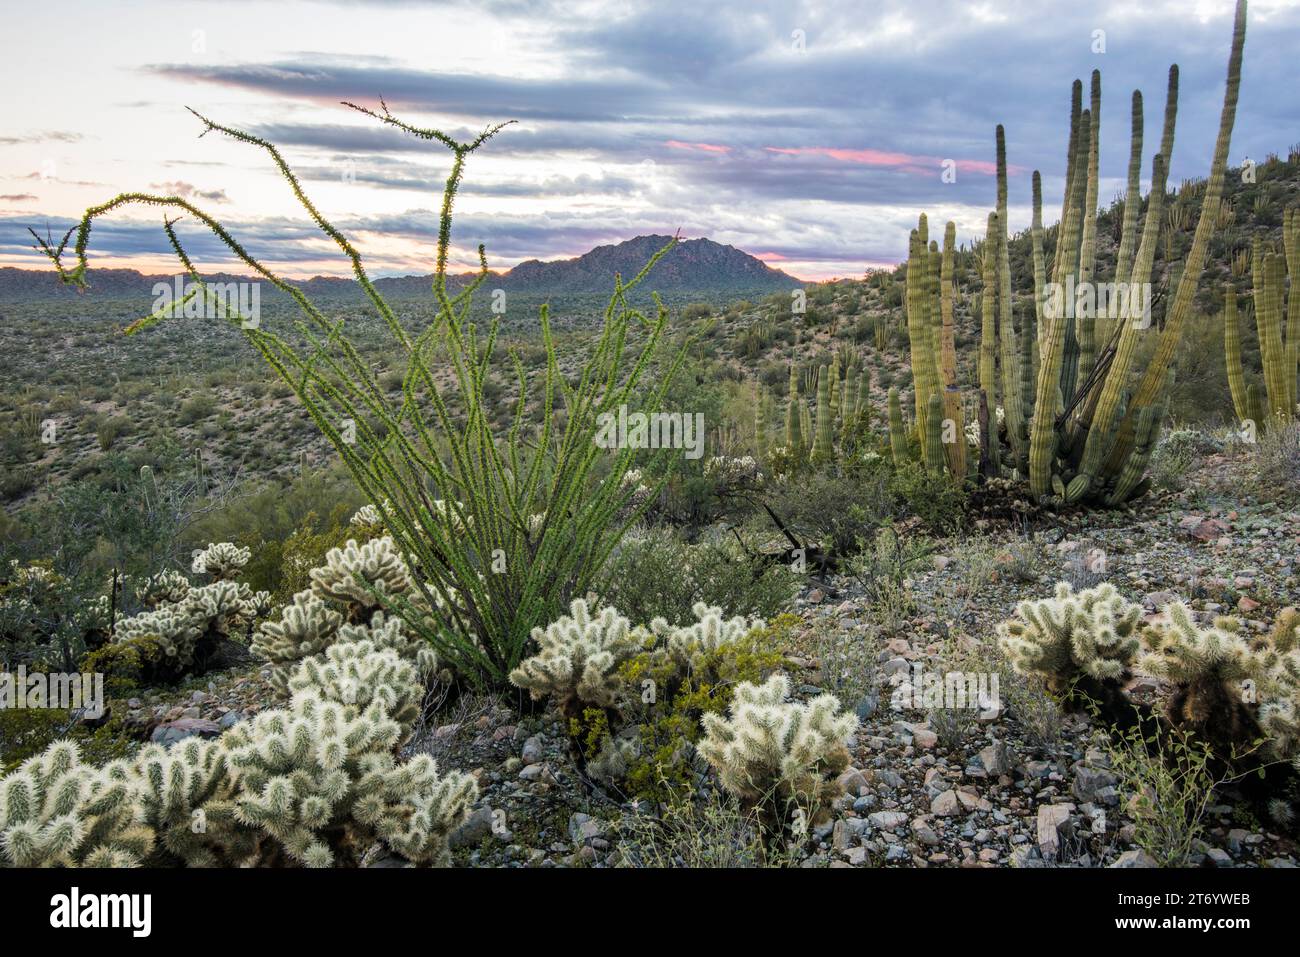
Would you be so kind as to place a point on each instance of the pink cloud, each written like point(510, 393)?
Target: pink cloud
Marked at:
point(908, 162)
point(704, 147)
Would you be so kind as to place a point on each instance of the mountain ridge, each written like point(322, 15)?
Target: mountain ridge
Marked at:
point(694, 265)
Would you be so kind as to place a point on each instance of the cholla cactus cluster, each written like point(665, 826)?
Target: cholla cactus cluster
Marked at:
point(688, 645)
point(317, 781)
point(361, 576)
point(730, 470)
point(307, 626)
point(167, 587)
point(56, 811)
point(368, 517)
point(1090, 634)
point(1196, 658)
point(578, 657)
point(343, 605)
point(356, 674)
point(187, 620)
point(1227, 687)
point(223, 561)
point(776, 754)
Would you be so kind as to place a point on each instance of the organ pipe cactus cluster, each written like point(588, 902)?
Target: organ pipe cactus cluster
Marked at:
point(1279, 349)
point(930, 310)
point(825, 435)
point(1076, 423)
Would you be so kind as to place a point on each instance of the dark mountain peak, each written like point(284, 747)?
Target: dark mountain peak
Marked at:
point(692, 266)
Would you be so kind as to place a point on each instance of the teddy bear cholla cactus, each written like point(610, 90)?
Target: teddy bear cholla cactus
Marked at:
point(357, 673)
point(579, 655)
point(1084, 641)
point(56, 811)
point(307, 626)
point(167, 587)
point(222, 560)
point(688, 645)
point(321, 775)
point(360, 576)
point(186, 795)
point(1228, 689)
point(318, 781)
point(775, 754)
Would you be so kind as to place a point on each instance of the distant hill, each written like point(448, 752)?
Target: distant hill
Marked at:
point(694, 266)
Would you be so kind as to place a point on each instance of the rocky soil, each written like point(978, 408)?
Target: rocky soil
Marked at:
point(1018, 784)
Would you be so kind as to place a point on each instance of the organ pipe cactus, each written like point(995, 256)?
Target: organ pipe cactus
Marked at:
point(1277, 348)
point(1012, 405)
point(794, 437)
point(823, 444)
point(897, 431)
point(1080, 432)
point(1154, 380)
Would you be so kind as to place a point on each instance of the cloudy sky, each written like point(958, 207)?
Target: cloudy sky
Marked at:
point(807, 133)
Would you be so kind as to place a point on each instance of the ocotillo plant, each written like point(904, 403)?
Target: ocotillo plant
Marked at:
point(504, 531)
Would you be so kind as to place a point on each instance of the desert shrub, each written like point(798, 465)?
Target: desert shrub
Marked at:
point(930, 496)
point(666, 693)
point(1276, 463)
point(713, 832)
point(883, 566)
point(836, 511)
point(655, 574)
point(1166, 782)
point(196, 408)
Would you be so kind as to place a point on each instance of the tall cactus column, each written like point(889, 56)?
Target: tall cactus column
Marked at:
point(1012, 407)
point(952, 407)
point(1154, 380)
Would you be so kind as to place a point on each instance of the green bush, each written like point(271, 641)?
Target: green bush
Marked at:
point(655, 574)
